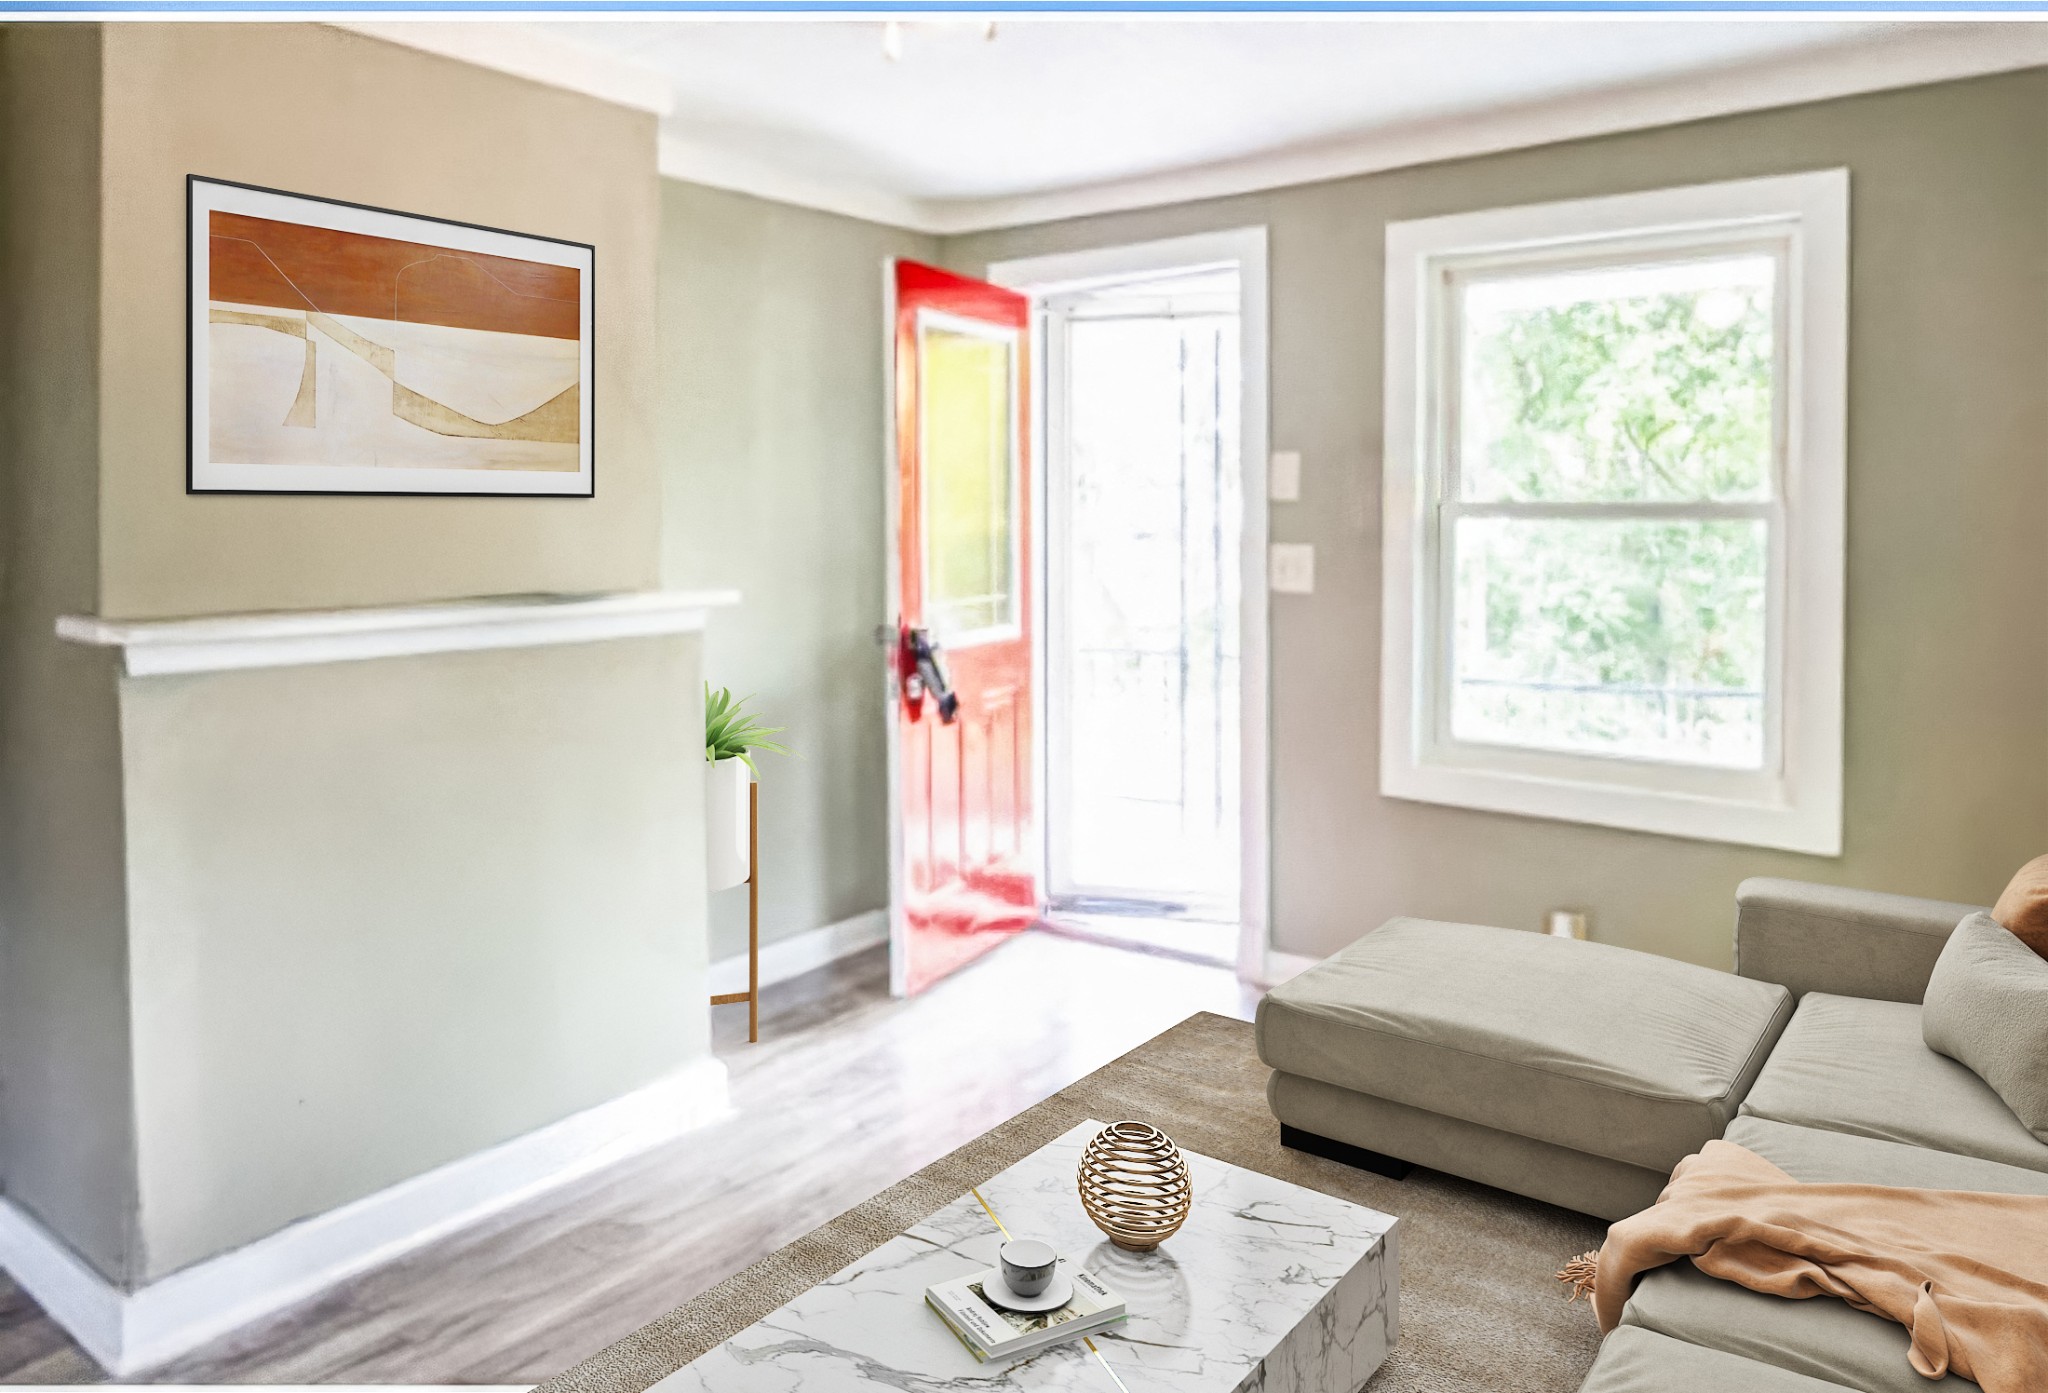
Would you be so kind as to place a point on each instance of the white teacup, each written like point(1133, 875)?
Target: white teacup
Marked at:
point(1028, 1265)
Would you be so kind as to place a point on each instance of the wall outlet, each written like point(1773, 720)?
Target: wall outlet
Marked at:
point(1291, 568)
point(1567, 923)
point(1283, 477)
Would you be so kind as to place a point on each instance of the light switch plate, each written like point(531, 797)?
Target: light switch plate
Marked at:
point(1283, 477)
point(1291, 568)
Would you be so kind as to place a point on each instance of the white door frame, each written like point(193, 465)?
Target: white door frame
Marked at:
point(892, 542)
point(1062, 272)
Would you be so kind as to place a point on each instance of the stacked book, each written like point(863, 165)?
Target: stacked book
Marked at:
point(991, 1332)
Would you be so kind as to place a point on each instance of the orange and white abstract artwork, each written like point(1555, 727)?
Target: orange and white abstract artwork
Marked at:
point(337, 348)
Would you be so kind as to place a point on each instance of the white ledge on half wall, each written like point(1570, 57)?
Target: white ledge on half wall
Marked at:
point(223, 643)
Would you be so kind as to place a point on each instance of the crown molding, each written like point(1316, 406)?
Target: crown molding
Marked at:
point(1908, 57)
point(525, 50)
point(697, 160)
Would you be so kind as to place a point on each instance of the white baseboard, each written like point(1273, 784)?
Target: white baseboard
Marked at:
point(126, 1331)
point(70, 1293)
point(805, 952)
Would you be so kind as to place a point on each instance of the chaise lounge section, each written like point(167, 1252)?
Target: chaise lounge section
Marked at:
point(1575, 1073)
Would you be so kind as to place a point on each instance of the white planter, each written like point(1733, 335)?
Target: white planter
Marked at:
point(725, 824)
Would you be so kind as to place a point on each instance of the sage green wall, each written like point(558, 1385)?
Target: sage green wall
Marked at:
point(67, 1145)
point(443, 904)
point(1947, 744)
point(274, 940)
point(772, 450)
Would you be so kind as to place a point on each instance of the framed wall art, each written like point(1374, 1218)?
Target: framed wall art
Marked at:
point(337, 348)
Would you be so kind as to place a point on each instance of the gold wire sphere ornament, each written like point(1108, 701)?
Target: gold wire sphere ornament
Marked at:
point(1135, 1185)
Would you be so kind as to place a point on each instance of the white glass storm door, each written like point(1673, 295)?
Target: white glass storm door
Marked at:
point(1144, 544)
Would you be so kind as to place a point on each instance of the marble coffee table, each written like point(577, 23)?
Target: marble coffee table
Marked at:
point(1267, 1286)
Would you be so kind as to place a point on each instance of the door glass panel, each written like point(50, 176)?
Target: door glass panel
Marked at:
point(969, 481)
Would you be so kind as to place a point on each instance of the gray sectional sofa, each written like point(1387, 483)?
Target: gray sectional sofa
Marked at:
point(1580, 1073)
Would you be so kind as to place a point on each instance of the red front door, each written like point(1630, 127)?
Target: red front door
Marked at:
point(964, 877)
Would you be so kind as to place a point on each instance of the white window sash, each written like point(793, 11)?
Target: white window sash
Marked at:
point(1794, 800)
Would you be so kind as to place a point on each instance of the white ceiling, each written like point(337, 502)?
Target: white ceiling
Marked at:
point(1056, 116)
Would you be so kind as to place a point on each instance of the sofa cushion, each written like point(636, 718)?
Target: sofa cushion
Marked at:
point(1987, 1008)
point(1849, 1065)
point(1821, 1337)
point(1634, 1360)
point(1601, 1049)
point(1825, 1338)
point(1820, 1157)
point(2023, 905)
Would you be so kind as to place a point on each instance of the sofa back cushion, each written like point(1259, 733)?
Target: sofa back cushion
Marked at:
point(2023, 907)
point(1987, 1008)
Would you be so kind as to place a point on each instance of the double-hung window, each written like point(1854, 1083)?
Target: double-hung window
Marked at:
point(1613, 542)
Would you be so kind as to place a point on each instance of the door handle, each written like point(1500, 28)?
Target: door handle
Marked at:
point(925, 671)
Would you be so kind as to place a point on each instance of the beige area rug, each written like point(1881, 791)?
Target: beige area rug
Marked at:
point(1479, 1306)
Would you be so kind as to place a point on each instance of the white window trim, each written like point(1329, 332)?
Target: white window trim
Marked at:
point(1795, 803)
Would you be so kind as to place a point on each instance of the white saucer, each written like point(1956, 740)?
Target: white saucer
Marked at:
point(1057, 1293)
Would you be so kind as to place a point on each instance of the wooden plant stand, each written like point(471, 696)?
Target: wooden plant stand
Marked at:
point(752, 995)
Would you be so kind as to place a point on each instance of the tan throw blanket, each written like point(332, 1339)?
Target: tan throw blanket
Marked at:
point(1966, 1273)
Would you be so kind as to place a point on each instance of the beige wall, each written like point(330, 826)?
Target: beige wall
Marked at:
point(772, 448)
point(449, 900)
point(67, 1149)
point(1947, 746)
point(314, 110)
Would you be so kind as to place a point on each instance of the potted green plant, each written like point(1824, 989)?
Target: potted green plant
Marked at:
point(731, 734)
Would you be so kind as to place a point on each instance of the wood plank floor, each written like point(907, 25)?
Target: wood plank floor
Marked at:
point(848, 1092)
